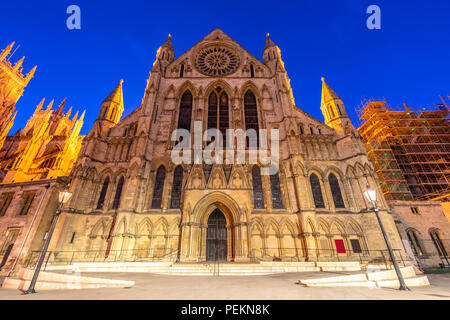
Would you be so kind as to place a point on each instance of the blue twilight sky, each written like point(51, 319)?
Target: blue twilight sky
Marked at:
point(407, 61)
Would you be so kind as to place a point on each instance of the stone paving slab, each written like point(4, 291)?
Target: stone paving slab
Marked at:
point(268, 287)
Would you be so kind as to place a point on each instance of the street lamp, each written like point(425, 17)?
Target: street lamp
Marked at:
point(371, 196)
point(64, 197)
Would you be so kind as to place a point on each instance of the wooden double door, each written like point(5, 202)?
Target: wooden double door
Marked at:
point(216, 237)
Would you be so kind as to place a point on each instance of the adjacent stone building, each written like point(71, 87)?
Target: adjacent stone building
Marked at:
point(30, 163)
point(131, 201)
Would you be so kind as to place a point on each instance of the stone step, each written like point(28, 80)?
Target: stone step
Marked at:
point(20, 284)
point(264, 267)
point(411, 282)
point(369, 279)
point(60, 281)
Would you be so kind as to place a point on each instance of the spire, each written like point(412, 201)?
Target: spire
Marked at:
point(61, 106)
point(50, 105)
point(168, 43)
point(18, 64)
point(69, 112)
point(39, 106)
point(269, 42)
point(6, 51)
point(30, 74)
point(327, 93)
point(116, 95)
point(74, 119)
point(333, 109)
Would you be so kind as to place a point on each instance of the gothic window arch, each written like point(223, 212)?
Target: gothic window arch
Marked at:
point(218, 111)
point(277, 202)
point(252, 71)
point(316, 191)
point(185, 114)
point(437, 241)
point(159, 186)
point(176, 187)
point(118, 194)
point(301, 129)
point(182, 71)
point(336, 191)
point(251, 114)
point(258, 201)
point(101, 199)
point(415, 243)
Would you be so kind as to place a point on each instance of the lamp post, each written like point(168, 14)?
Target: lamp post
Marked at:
point(371, 196)
point(64, 197)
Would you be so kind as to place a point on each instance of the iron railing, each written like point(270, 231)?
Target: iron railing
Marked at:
point(126, 255)
point(300, 254)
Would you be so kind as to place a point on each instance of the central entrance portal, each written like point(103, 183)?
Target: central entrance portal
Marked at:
point(216, 237)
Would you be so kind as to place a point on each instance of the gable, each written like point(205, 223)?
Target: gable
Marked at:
point(216, 39)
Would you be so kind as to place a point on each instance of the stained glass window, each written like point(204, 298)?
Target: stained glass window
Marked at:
point(251, 114)
point(101, 200)
point(118, 194)
point(276, 191)
point(316, 191)
point(159, 185)
point(176, 187)
point(258, 201)
point(184, 117)
point(336, 191)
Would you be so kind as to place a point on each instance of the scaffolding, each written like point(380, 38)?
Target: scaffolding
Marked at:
point(410, 149)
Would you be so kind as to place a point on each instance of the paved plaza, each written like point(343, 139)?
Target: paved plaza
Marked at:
point(268, 287)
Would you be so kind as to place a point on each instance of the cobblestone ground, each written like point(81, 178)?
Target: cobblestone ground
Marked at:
point(269, 287)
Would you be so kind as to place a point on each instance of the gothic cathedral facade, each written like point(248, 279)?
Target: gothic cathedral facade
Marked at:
point(131, 201)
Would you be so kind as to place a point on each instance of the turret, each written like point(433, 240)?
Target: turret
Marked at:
point(272, 55)
point(111, 109)
point(333, 110)
point(6, 51)
point(165, 55)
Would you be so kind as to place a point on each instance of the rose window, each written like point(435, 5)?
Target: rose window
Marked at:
point(217, 61)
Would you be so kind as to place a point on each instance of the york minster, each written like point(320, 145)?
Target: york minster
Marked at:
point(131, 202)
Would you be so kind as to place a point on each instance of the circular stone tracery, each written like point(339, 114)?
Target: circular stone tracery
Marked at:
point(217, 61)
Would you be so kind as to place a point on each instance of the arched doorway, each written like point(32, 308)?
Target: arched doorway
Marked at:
point(216, 237)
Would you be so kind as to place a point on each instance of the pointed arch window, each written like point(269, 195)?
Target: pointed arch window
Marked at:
point(118, 194)
point(252, 71)
point(415, 243)
point(336, 191)
point(185, 115)
point(277, 203)
point(182, 71)
point(434, 234)
point(316, 191)
point(176, 187)
point(258, 201)
point(101, 199)
point(251, 115)
point(218, 111)
point(159, 185)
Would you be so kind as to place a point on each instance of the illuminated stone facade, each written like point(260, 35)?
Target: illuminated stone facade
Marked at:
point(130, 201)
point(31, 162)
point(46, 148)
point(12, 85)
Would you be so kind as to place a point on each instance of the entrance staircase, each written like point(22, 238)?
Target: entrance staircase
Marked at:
point(375, 279)
point(210, 269)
